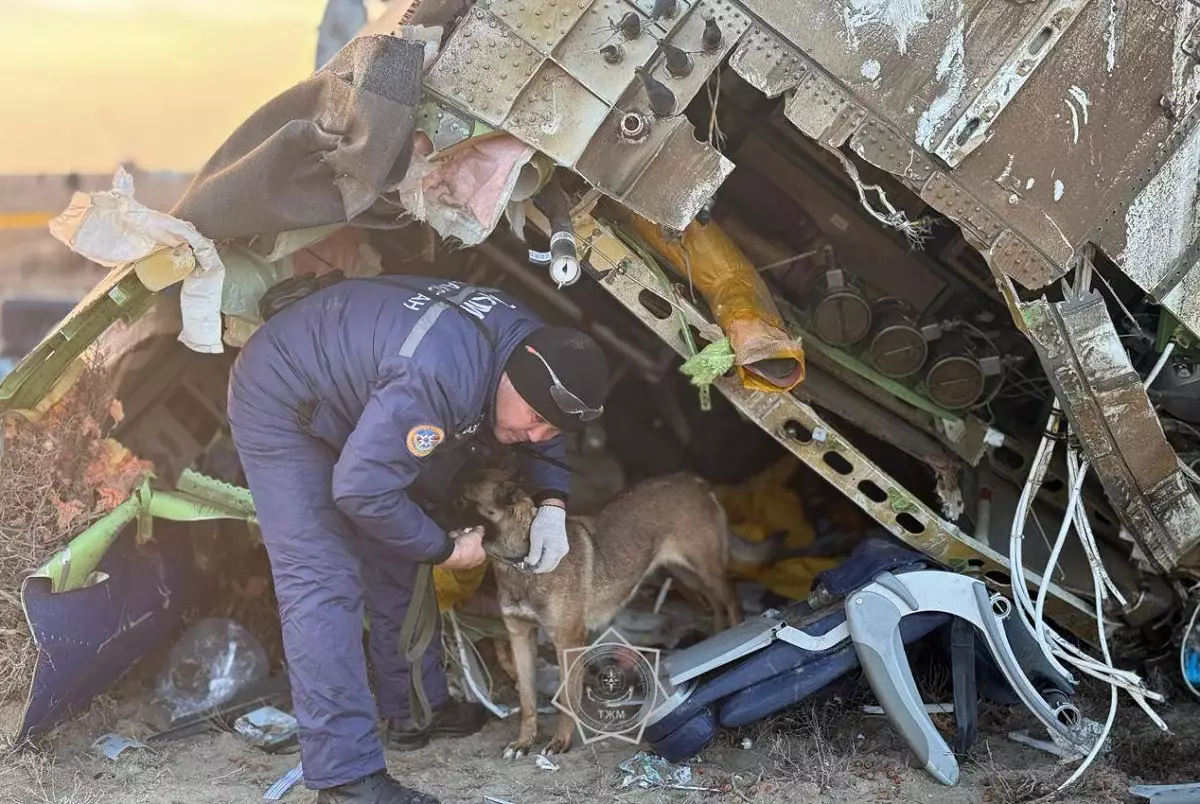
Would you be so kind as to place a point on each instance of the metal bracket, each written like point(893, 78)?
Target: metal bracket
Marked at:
point(951, 200)
point(1015, 258)
point(1117, 427)
point(879, 145)
point(823, 110)
point(768, 63)
point(970, 130)
point(798, 428)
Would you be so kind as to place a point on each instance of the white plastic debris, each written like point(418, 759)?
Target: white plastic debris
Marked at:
point(931, 709)
point(747, 743)
point(284, 784)
point(113, 745)
point(112, 229)
point(647, 770)
point(544, 763)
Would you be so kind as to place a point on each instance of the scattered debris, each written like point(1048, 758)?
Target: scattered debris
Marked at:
point(932, 709)
point(272, 691)
point(1167, 793)
point(214, 660)
point(59, 473)
point(113, 745)
point(1086, 734)
point(284, 783)
point(268, 728)
point(544, 763)
point(647, 770)
point(747, 743)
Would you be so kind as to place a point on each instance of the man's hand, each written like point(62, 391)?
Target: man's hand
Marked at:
point(468, 550)
point(547, 537)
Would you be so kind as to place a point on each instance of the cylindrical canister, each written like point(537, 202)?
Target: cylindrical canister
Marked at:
point(897, 349)
point(954, 379)
point(841, 316)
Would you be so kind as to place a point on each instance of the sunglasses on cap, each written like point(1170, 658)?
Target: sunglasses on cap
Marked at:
point(567, 402)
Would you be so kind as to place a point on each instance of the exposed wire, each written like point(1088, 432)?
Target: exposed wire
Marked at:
point(1158, 366)
point(788, 260)
point(916, 231)
point(716, 137)
point(1032, 615)
point(1117, 299)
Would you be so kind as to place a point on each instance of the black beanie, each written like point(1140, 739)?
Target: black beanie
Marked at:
point(576, 359)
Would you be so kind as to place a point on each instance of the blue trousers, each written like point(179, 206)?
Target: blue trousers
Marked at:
point(326, 573)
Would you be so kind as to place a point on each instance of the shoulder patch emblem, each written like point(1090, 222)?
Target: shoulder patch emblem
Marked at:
point(424, 438)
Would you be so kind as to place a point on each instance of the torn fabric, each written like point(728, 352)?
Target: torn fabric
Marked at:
point(323, 152)
point(463, 191)
point(111, 228)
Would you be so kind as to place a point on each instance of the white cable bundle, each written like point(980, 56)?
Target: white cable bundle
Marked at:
point(1031, 614)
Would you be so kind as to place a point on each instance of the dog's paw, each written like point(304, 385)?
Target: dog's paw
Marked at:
point(518, 748)
point(558, 745)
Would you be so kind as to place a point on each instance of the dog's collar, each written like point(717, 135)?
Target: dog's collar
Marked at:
point(517, 563)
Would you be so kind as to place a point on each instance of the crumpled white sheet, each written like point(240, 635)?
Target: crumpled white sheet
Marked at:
point(112, 229)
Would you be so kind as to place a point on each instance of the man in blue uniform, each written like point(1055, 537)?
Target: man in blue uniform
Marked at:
point(347, 407)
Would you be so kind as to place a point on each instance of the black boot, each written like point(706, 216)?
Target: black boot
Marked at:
point(452, 719)
point(378, 788)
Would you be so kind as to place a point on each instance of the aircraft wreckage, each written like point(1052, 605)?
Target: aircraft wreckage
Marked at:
point(966, 229)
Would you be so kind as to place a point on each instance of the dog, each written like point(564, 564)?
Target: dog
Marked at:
point(672, 522)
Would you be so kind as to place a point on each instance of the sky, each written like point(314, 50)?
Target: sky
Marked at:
point(86, 84)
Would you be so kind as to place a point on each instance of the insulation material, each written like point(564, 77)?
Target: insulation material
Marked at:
point(112, 229)
point(739, 299)
point(314, 251)
point(463, 191)
point(763, 507)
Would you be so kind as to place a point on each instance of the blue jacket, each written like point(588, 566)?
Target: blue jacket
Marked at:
point(385, 373)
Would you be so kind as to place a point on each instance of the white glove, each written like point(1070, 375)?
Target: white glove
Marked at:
point(547, 539)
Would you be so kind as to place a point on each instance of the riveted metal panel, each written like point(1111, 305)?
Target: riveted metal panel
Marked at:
point(971, 128)
point(960, 206)
point(483, 66)
point(1066, 156)
point(768, 63)
point(878, 144)
point(556, 114)
point(688, 35)
point(541, 23)
point(823, 110)
point(913, 63)
point(1020, 261)
point(579, 53)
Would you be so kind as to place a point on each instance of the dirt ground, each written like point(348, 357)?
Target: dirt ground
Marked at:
point(825, 751)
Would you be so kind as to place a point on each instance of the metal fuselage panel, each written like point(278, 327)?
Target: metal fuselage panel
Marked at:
point(1039, 127)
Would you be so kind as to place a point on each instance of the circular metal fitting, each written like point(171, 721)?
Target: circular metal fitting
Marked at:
point(634, 127)
point(897, 348)
point(955, 379)
point(842, 317)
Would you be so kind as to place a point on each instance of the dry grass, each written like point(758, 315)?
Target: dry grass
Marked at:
point(1100, 784)
point(31, 777)
point(54, 481)
point(807, 746)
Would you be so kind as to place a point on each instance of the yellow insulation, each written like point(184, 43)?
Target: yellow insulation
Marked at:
point(737, 295)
